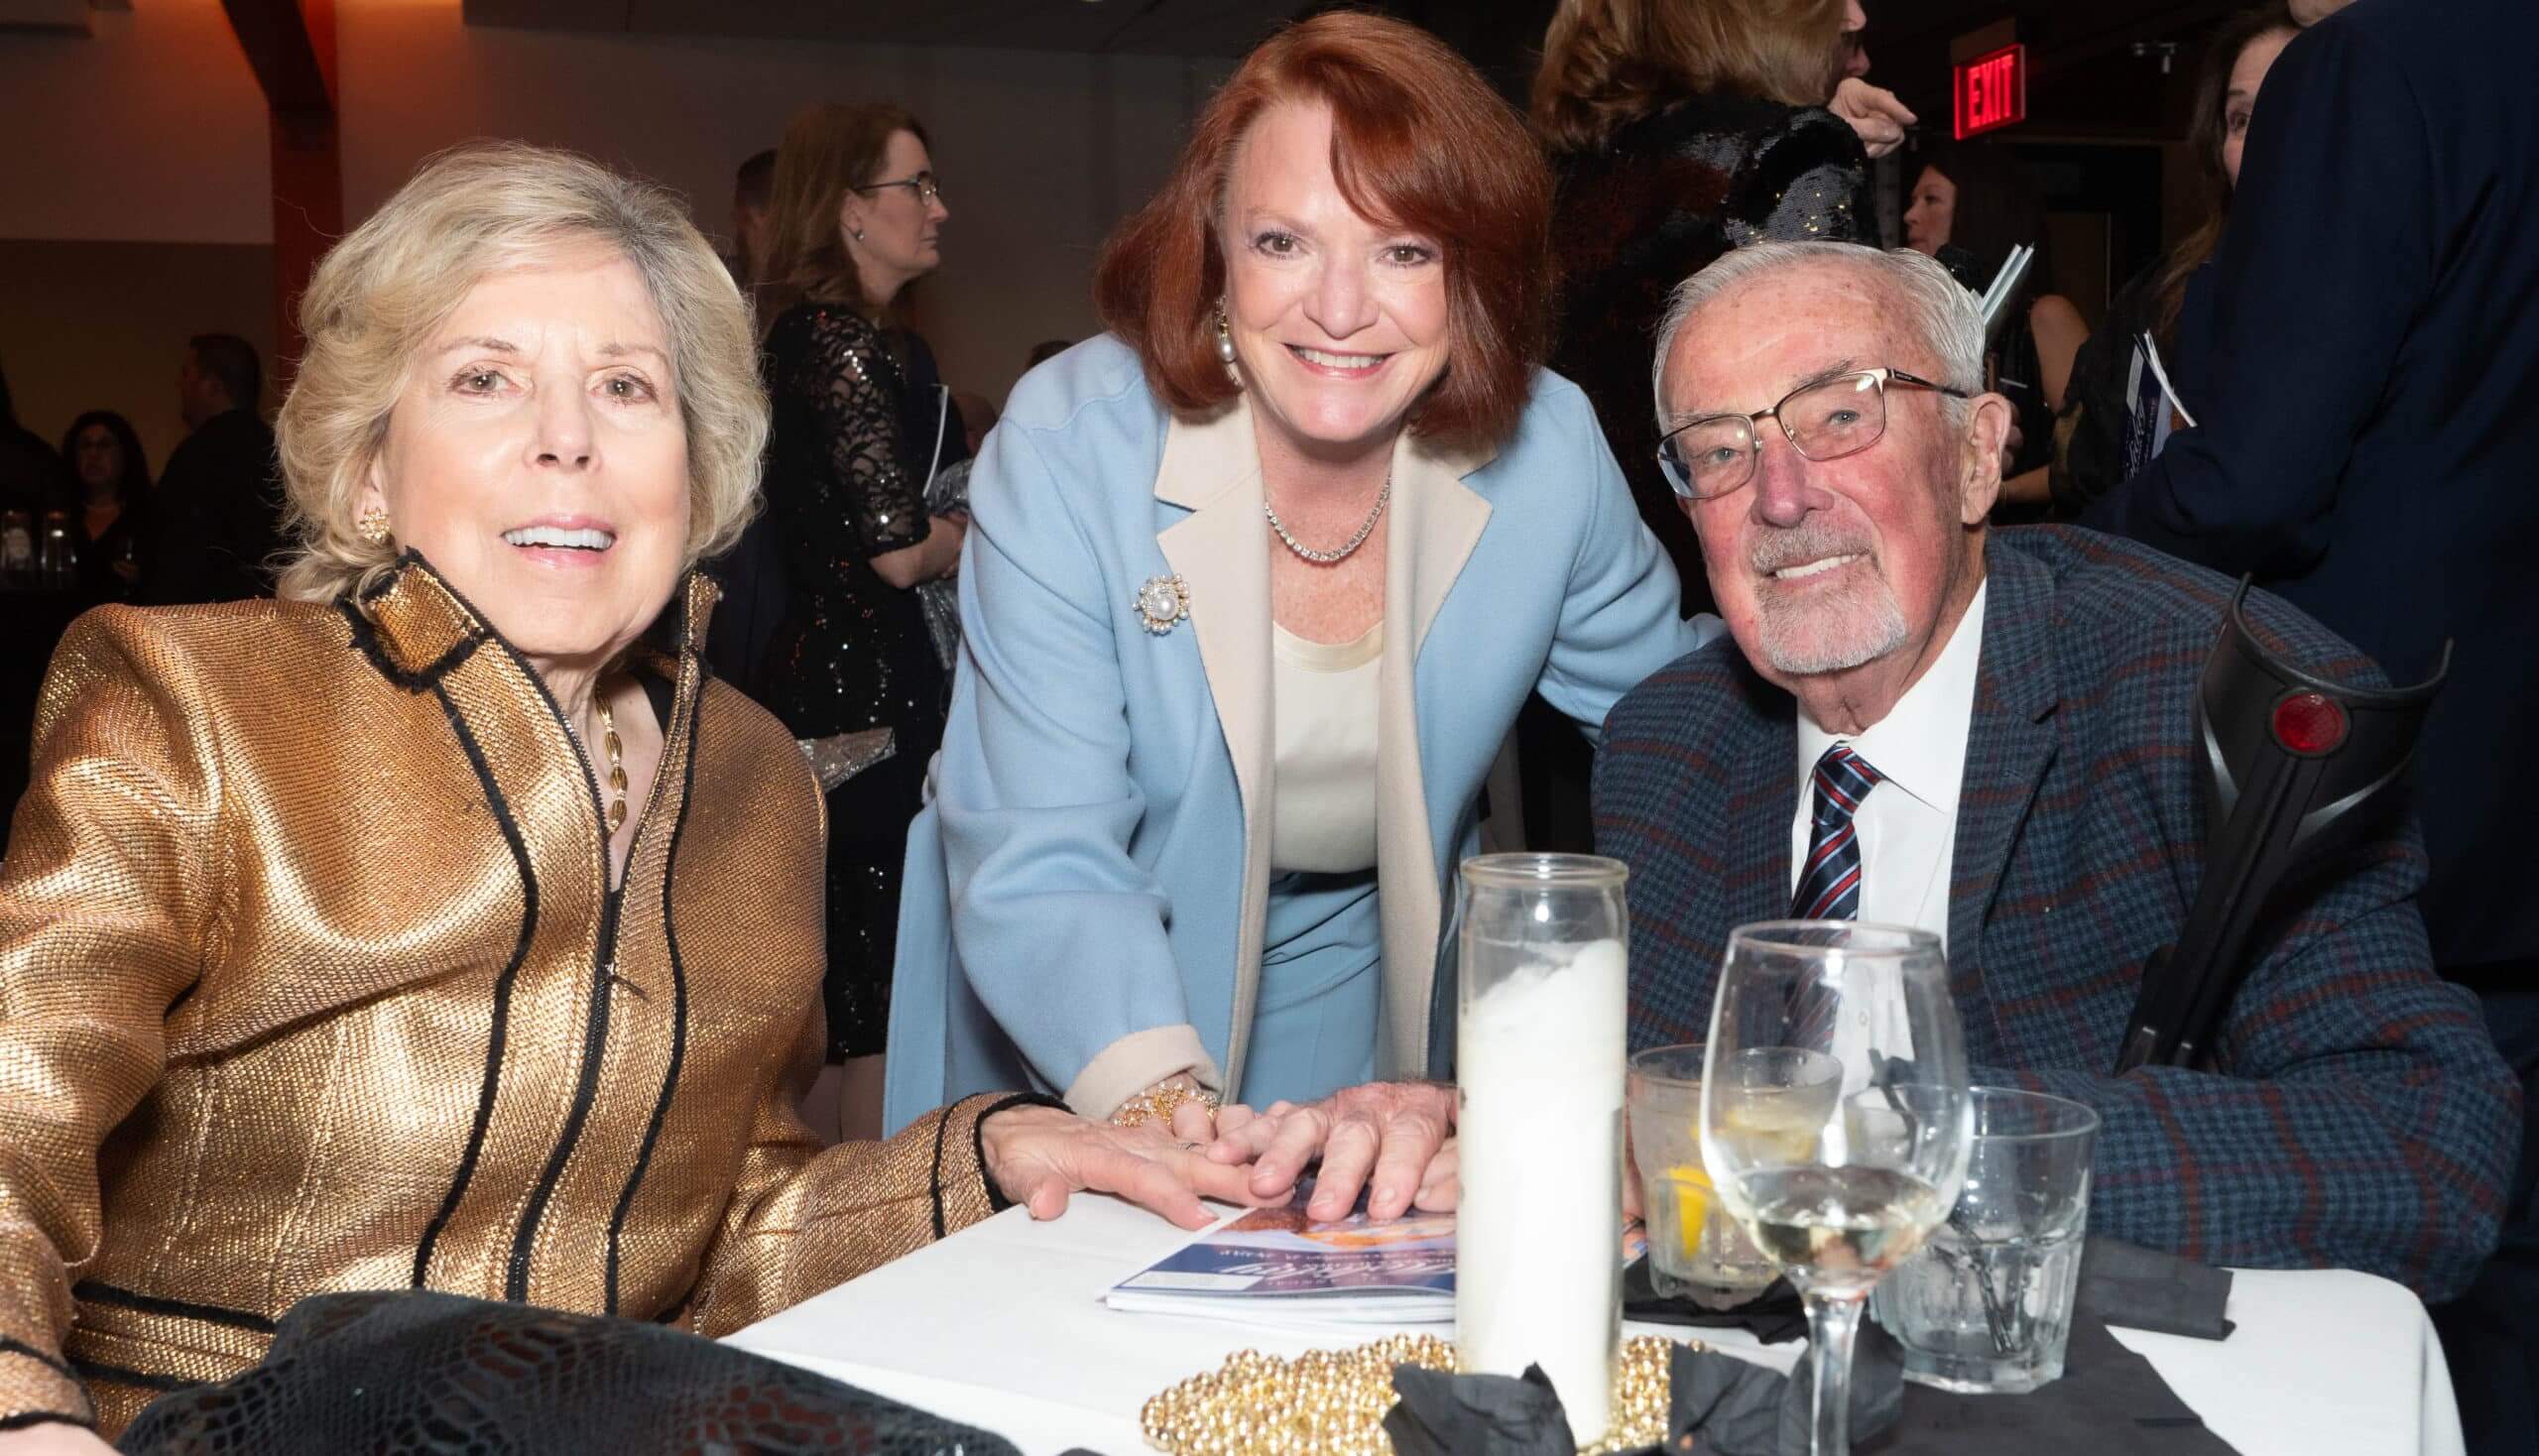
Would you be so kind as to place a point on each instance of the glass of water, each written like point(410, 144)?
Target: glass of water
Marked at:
point(1695, 1249)
point(1841, 1188)
point(1987, 1304)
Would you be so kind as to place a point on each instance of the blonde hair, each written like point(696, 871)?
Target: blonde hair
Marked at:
point(381, 293)
point(1609, 63)
point(828, 151)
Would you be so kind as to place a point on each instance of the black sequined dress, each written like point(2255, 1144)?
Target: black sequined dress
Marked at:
point(1658, 202)
point(853, 653)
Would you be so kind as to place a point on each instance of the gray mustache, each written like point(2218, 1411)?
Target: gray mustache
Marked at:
point(1802, 543)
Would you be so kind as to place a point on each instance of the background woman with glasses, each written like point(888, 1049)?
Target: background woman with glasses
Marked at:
point(858, 218)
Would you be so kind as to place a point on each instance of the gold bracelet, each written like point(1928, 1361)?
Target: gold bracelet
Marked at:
point(1335, 1402)
point(1159, 1103)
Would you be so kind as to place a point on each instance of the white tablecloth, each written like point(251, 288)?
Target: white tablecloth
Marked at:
point(1003, 1326)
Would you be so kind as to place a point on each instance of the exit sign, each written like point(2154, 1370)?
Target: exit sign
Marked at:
point(1992, 92)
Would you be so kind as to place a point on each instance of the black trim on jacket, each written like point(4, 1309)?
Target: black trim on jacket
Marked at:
point(502, 986)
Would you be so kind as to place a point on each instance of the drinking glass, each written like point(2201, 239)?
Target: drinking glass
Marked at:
point(1837, 1190)
point(1987, 1306)
point(1695, 1248)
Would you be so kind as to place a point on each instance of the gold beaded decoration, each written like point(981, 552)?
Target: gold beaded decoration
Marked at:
point(616, 766)
point(1335, 1402)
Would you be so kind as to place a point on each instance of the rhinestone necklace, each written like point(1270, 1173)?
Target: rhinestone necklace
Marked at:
point(1325, 558)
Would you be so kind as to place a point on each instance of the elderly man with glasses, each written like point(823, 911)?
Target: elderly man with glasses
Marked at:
point(1988, 735)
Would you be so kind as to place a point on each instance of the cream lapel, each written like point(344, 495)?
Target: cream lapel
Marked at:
point(1438, 521)
point(1221, 549)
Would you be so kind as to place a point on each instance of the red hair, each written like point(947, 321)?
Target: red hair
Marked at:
point(1418, 141)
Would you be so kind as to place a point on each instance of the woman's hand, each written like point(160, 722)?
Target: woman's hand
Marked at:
point(53, 1438)
point(930, 559)
point(1875, 113)
point(1037, 1155)
point(1396, 1138)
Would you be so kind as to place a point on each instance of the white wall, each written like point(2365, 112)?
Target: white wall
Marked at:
point(155, 130)
point(1041, 153)
point(150, 130)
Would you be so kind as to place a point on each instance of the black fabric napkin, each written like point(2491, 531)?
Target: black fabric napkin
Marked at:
point(1722, 1407)
point(2145, 1289)
point(1732, 1408)
point(1441, 1415)
point(1773, 1316)
point(2108, 1403)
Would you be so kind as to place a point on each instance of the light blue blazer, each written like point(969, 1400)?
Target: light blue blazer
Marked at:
point(1085, 890)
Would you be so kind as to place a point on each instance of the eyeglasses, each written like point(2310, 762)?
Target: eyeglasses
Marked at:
point(1715, 456)
point(926, 184)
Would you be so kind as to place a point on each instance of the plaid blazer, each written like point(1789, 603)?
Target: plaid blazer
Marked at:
point(2357, 1116)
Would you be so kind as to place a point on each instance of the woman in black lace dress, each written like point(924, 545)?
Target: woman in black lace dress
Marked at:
point(856, 214)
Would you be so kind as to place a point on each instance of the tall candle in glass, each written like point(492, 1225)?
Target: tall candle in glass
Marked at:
point(1539, 1065)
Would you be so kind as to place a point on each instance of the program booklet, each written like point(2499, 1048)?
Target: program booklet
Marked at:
point(1275, 1266)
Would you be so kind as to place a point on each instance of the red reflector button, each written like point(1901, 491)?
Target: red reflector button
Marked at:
point(2309, 724)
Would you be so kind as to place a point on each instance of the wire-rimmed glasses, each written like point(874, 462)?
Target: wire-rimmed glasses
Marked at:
point(927, 187)
point(1826, 419)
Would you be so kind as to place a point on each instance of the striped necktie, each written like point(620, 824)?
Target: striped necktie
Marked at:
point(1828, 887)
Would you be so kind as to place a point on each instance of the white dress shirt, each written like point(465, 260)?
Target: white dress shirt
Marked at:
point(1908, 826)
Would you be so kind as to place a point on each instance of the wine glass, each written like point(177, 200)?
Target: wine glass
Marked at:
point(1835, 1118)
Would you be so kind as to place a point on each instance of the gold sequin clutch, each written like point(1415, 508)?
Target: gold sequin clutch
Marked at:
point(1335, 1402)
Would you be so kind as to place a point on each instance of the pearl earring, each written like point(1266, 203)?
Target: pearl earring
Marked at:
point(1225, 346)
point(372, 525)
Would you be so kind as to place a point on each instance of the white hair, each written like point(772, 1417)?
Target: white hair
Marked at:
point(1941, 314)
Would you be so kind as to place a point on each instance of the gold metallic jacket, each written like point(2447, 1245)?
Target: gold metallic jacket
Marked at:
point(309, 980)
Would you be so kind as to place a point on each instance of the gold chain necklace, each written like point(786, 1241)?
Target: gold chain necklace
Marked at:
point(616, 766)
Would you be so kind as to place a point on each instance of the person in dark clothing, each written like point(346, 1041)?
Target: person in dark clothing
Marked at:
point(2131, 377)
point(858, 211)
point(31, 476)
point(1679, 132)
point(753, 219)
point(2363, 446)
point(742, 635)
point(105, 455)
point(1969, 207)
point(33, 482)
point(216, 518)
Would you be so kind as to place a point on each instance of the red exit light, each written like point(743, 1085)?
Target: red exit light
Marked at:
point(1992, 92)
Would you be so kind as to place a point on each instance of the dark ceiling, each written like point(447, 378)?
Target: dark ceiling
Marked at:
point(2085, 77)
point(1148, 27)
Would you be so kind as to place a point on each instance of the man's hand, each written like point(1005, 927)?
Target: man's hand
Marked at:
point(1875, 113)
point(1394, 1137)
point(1038, 1155)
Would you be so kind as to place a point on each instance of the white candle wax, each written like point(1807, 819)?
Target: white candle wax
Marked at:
point(1538, 1233)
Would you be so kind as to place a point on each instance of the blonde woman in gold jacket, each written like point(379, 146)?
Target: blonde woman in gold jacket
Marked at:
point(438, 925)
